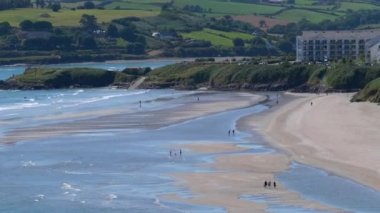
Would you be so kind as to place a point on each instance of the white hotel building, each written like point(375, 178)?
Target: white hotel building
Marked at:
point(332, 45)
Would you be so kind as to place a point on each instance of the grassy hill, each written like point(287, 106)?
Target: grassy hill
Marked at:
point(48, 78)
point(371, 92)
point(217, 37)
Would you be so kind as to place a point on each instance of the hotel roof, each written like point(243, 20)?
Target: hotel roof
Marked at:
point(336, 35)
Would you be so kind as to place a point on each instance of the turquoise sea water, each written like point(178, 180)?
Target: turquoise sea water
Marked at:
point(106, 170)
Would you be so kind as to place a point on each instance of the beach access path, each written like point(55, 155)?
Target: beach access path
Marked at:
point(327, 131)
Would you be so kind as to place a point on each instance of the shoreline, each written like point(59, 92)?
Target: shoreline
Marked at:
point(326, 135)
point(188, 108)
point(238, 172)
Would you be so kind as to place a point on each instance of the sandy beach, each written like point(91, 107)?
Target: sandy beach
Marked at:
point(184, 109)
point(331, 133)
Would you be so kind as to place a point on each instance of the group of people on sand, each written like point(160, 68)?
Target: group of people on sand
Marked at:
point(174, 153)
point(231, 131)
point(268, 184)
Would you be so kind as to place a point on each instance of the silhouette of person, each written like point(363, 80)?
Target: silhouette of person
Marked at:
point(265, 184)
point(170, 153)
point(140, 103)
point(311, 103)
point(274, 184)
point(180, 152)
point(229, 132)
point(233, 132)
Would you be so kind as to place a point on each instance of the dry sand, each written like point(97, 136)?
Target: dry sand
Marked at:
point(332, 134)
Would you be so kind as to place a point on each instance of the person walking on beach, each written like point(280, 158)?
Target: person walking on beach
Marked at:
point(265, 184)
point(140, 103)
point(274, 184)
point(229, 132)
point(198, 98)
point(311, 103)
point(180, 152)
point(170, 153)
point(233, 132)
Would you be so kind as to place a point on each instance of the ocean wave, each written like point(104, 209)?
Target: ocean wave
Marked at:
point(78, 91)
point(111, 197)
point(28, 163)
point(67, 186)
point(21, 106)
point(104, 98)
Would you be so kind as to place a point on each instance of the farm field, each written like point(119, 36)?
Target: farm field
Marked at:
point(344, 6)
point(216, 37)
point(67, 17)
point(133, 6)
point(295, 15)
point(230, 8)
point(255, 20)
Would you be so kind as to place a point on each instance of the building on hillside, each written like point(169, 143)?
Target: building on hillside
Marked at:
point(332, 45)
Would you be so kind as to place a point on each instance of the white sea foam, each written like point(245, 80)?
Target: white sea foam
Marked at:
point(111, 197)
point(21, 106)
point(78, 91)
point(66, 186)
point(28, 163)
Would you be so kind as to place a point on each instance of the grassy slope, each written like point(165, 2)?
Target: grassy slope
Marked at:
point(356, 6)
point(295, 15)
point(371, 92)
point(226, 7)
point(216, 37)
point(67, 17)
point(222, 76)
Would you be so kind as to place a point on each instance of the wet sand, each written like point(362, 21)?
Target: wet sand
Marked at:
point(332, 133)
point(184, 108)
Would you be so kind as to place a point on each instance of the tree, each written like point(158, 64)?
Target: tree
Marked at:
point(88, 42)
point(128, 35)
point(89, 5)
point(291, 1)
point(40, 3)
point(112, 31)
point(88, 22)
point(238, 42)
point(136, 48)
point(42, 26)
point(26, 25)
point(56, 7)
point(5, 28)
point(285, 46)
point(262, 23)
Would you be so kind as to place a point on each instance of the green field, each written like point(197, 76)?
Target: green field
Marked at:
point(295, 15)
point(133, 6)
point(216, 37)
point(232, 8)
point(67, 17)
point(76, 4)
point(344, 6)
